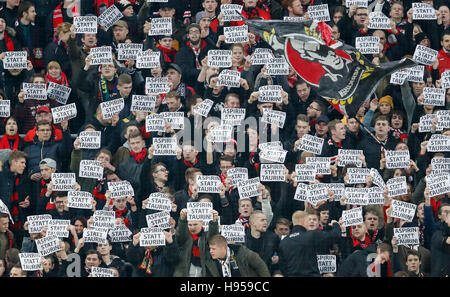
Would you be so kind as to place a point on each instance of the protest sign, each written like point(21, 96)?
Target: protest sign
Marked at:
point(112, 107)
point(234, 233)
point(403, 210)
point(152, 237)
point(357, 175)
point(143, 103)
point(337, 188)
point(438, 143)
point(273, 117)
point(301, 192)
point(208, 183)
point(407, 235)
point(311, 144)
point(91, 169)
point(352, 217)
point(47, 245)
point(58, 228)
point(155, 122)
point(319, 13)
point(231, 12)
point(120, 234)
point(375, 196)
point(79, 199)
point(424, 55)
point(277, 66)
point(174, 119)
point(165, 146)
point(63, 112)
point(85, 24)
point(274, 145)
point(440, 165)
point(5, 108)
point(127, 51)
point(426, 122)
point(237, 174)
point(120, 189)
point(104, 219)
point(232, 116)
point(229, 78)
point(397, 159)
point(438, 184)
point(63, 181)
point(443, 120)
point(15, 60)
point(101, 272)
point(397, 186)
point(204, 107)
point(219, 58)
point(261, 56)
point(159, 219)
point(317, 193)
point(249, 188)
point(34, 91)
point(101, 55)
point(423, 11)
point(148, 60)
point(275, 156)
point(37, 223)
point(398, 77)
point(109, 17)
point(270, 93)
point(368, 44)
point(220, 133)
point(305, 173)
point(161, 26)
point(326, 263)
point(236, 34)
point(445, 79)
point(293, 19)
point(378, 21)
point(415, 74)
point(90, 139)
point(156, 85)
point(356, 196)
point(159, 201)
point(30, 261)
point(358, 3)
point(95, 235)
point(58, 92)
point(322, 164)
point(272, 173)
point(199, 211)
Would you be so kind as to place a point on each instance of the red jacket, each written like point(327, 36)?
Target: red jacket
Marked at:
point(444, 61)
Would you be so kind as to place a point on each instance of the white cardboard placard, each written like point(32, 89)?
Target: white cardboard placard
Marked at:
point(47, 245)
point(407, 235)
point(272, 173)
point(233, 233)
point(156, 85)
point(403, 210)
point(63, 112)
point(148, 60)
point(319, 13)
point(126, 51)
point(85, 24)
point(91, 169)
point(58, 92)
point(231, 12)
point(112, 107)
point(423, 11)
point(352, 217)
point(35, 91)
point(219, 58)
point(165, 146)
point(79, 199)
point(199, 211)
point(236, 34)
point(143, 103)
point(305, 173)
point(109, 17)
point(155, 122)
point(397, 159)
point(63, 181)
point(425, 55)
point(229, 78)
point(311, 144)
point(397, 186)
point(120, 189)
point(208, 183)
point(5, 108)
point(30, 261)
point(90, 139)
point(249, 188)
point(15, 60)
point(101, 55)
point(160, 26)
point(368, 44)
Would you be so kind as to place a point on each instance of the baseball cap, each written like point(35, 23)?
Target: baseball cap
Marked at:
point(43, 109)
point(48, 162)
point(323, 118)
point(200, 15)
point(174, 66)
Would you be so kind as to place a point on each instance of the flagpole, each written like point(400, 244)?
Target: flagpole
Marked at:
point(370, 133)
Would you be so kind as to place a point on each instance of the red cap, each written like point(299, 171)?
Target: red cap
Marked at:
point(43, 109)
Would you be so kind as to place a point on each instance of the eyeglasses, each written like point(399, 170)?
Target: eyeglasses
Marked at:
point(316, 109)
point(162, 169)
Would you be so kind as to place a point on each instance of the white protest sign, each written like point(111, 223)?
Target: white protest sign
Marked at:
point(148, 60)
point(165, 146)
point(403, 210)
point(208, 183)
point(79, 199)
point(407, 235)
point(231, 12)
point(159, 201)
point(319, 13)
point(37, 223)
point(109, 17)
point(143, 103)
point(90, 139)
point(229, 78)
point(85, 24)
point(337, 188)
point(375, 196)
point(219, 58)
point(358, 3)
point(220, 133)
point(272, 173)
point(174, 119)
point(273, 117)
point(204, 107)
point(440, 165)
point(63, 112)
point(234, 233)
point(270, 93)
point(301, 192)
point(276, 156)
point(378, 21)
point(249, 188)
point(58, 228)
point(277, 66)
point(352, 217)
point(126, 51)
point(397, 159)
point(161, 26)
point(415, 74)
point(356, 196)
point(445, 79)
point(236, 34)
point(58, 92)
point(368, 44)
point(438, 184)
point(156, 85)
point(91, 169)
point(155, 122)
point(317, 193)
point(322, 164)
point(377, 179)
point(433, 96)
point(438, 143)
point(424, 55)
point(47, 245)
point(397, 186)
point(199, 211)
point(357, 175)
point(104, 219)
point(152, 237)
point(101, 55)
point(101, 272)
point(398, 77)
point(34, 91)
point(120, 189)
point(111, 107)
point(311, 144)
point(237, 174)
point(347, 157)
point(261, 56)
point(274, 145)
point(95, 235)
point(426, 122)
point(30, 261)
point(15, 60)
point(443, 120)
point(159, 219)
point(120, 234)
point(326, 263)
point(293, 19)
point(232, 116)
point(423, 11)
point(5, 108)
point(63, 181)
point(305, 173)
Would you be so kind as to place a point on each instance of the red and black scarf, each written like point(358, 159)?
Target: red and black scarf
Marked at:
point(244, 221)
point(50, 203)
point(197, 52)
point(147, 262)
point(15, 206)
point(139, 157)
point(168, 54)
point(122, 214)
point(356, 242)
point(189, 164)
point(6, 144)
point(9, 43)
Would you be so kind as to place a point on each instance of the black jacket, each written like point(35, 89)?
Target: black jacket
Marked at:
point(56, 51)
point(164, 260)
point(269, 245)
point(440, 251)
point(356, 264)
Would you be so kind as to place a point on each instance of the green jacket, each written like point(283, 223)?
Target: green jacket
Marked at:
point(248, 262)
point(185, 242)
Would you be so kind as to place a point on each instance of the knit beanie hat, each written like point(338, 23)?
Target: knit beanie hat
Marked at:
point(388, 99)
point(123, 4)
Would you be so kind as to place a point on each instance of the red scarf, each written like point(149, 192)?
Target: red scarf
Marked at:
point(195, 249)
point(357, 242)
point(144, 133)
point(435, 204)
point(58, 15)
point(15, 207)
point(139, 156)
point(50, 204)
point(189, 164)
point(8, 42)
point(4, 142)
point(252, 155)
point(62, 81)
point(168, 54)
point(197, 52)
point(244, 221)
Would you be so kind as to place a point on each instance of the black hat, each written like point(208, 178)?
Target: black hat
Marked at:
point(169, 4)
point(421, 36)
point(123, 4)
point(176, 67)
point(323, 118)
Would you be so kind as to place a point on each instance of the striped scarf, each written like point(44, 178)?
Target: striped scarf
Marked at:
point(147, 262)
